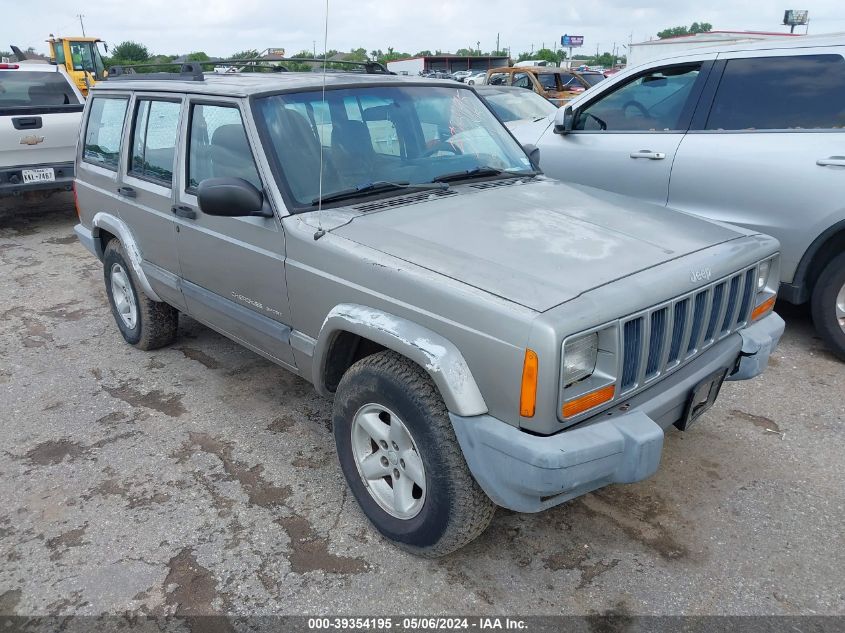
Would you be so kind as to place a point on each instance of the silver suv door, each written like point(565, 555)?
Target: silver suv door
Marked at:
point(146, 189)
point(233, 275)
point(624, 139)
point(769, 154)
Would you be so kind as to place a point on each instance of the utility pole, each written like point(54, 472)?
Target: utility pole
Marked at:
point(315, 48)
point(497, 44)
point(80, 16)
point(478, 47)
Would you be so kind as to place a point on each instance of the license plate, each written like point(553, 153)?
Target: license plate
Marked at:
point(702, 398)
point(45, 174)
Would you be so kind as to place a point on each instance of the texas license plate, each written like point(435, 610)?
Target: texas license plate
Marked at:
point(702, 398)
point(45, 174)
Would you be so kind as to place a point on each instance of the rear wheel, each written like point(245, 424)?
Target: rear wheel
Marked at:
point(401, 459)
point(828, 305)
point(144, 323)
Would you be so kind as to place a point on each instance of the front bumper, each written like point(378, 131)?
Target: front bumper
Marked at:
point(12, 184)
point(529, 473)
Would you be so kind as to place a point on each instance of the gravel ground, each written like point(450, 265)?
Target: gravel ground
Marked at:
point(201, 479)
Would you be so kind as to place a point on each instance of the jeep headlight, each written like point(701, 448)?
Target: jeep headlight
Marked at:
point(763, 275)
point(579, 358)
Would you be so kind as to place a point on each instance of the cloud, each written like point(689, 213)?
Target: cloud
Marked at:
point(221, 27)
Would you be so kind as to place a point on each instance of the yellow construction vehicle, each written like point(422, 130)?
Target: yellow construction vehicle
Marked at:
point(81, 58)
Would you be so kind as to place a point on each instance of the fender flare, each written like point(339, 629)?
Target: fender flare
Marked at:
point(434, 353)
point(117, 227)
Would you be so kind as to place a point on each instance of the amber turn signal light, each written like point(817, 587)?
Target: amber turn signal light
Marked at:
point(763, 309)
point(528, 394)
point(588, 401)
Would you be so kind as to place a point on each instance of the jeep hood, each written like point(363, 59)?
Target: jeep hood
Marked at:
point(537, 244)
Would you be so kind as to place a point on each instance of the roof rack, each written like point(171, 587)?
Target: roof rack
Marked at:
point(193, 70)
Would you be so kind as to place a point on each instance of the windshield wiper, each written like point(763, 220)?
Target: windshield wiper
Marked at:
point(369, 188)
point(482, 171)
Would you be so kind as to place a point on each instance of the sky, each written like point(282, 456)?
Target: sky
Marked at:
point(222, 27)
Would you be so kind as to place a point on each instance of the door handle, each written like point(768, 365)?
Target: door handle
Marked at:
point(647, 153)
point(184, 212)
point(27, 123)
point(831, 161)
point(127, 192)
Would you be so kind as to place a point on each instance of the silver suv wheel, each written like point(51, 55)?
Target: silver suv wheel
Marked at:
point(388, 461)
point(124, 298)
point(840, 307)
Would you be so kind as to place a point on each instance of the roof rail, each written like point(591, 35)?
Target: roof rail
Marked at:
point(193, 70)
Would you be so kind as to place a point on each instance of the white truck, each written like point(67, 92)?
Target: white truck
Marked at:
point(40, 112)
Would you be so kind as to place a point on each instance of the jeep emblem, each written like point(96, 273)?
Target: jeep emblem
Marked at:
point(702, 274)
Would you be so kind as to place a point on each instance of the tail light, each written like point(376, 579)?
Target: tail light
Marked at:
point(9, 66)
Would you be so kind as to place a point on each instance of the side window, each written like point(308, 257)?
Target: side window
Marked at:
point(103, 132)
point(497, 79)
point(780, 93)
point(652, 102)
point(218, 146)
point(154, 133)
point(522, 80)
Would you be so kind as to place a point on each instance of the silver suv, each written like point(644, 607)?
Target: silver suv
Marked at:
point(752, 134)
point(489, 336)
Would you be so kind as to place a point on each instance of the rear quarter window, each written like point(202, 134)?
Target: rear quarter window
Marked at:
point(24, 89)
point(781, 93)
point(104, 131)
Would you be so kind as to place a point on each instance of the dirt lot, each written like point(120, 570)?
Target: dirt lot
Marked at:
point(202, 479)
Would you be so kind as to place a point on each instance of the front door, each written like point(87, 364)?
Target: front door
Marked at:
point(233, 275)
point(625, 140)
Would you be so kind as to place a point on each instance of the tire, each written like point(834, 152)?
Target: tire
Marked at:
point(144, 323)
point(450, 510)
point(828, 305)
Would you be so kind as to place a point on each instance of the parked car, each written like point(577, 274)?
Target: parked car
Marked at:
point(489, 336)
point(556, 84)
point(752, 134)
point(461, 75)
point(520, 110)
point(476, 79)
point(40, 111)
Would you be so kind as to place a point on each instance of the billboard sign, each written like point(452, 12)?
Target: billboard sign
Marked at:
point(572, 41)
point(276, 52)
point(795, 17)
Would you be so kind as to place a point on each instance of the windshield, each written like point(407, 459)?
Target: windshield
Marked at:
point(20, 88)
point(518, 105)
point(407, 135)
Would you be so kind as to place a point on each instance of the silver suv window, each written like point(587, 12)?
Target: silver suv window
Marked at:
point(104, 131)
point(651, 102)
point(154, 134)
point(218, 146)
point(781, 93)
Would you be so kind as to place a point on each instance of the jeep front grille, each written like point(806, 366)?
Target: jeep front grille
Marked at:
point(660, 339)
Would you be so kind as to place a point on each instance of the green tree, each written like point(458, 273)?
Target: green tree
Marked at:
point(131, 52)
point(694, 28)
point(247, 54)
point(198, 56)
point(544, 53)
point(424, 53)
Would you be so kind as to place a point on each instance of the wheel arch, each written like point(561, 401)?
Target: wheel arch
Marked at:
point(349, 326)
point(104, 227)
point(825, 247)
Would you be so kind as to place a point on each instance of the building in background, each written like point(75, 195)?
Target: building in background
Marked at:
point(445, 63)
point(643, 52)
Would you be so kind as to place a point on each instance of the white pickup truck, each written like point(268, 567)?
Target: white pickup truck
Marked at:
point(40, 112)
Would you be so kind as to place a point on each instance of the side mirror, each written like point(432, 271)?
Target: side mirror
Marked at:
point(564, 120)
point(231, 197)
point(533, 154)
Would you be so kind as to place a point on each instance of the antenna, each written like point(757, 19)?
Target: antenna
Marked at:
point(320, 231)
point(80, 16)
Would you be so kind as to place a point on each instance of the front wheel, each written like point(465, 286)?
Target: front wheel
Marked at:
point(828, 305)
point(401, 459)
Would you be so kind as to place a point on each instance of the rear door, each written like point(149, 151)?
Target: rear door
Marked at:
point(232, 268)
point(145, 192)
point(39, 117)
point(624, 139)
point(769, 153)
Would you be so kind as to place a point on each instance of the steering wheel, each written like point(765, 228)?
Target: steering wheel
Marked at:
point(441, 146)
point(639, 106)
